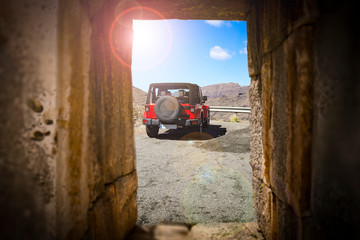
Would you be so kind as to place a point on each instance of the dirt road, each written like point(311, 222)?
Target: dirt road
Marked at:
point(184, 177)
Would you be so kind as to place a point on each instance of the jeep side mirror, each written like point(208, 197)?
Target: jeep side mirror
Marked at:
point(204, 98)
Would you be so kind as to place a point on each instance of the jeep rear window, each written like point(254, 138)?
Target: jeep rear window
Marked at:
point(190, 94)
point(182, 94)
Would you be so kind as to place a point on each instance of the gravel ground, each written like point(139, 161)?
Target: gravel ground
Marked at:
point(187, 177)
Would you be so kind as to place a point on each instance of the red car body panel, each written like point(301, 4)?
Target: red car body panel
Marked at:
point(185, 111)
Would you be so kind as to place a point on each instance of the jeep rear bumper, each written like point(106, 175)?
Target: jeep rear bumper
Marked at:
point(150, 121)
point(187, 122)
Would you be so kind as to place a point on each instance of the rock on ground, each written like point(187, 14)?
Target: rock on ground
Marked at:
point(215, 231)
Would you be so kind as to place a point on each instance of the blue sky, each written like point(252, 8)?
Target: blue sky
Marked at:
point(196, 51)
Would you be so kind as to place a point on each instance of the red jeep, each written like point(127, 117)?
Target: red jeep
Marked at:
point(173, 106)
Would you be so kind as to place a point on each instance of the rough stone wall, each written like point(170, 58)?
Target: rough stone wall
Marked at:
point(28, 68)
point(96, 176)
point(67, 149)
point(67, 157)
point(197, 9)
point(67, 152)
point(303, 115)
point(72, 169)
point(281, 65)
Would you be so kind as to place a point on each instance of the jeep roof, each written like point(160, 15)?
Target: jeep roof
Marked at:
point(193, 89)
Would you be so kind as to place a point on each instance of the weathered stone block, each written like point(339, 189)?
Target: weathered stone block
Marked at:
point(267, 108)
point(256, 147)
point(289, 221)
point(171, 232)
point(300, 13)
point(205, 9)
point(264, 202)
point(280, 18)
point(110, 117)
point(114, 213)
point(73, 123)
point(274, 24)
point(226, 231)
point(299, 55)
point(279, 132)
point(28, 68)
point(254, 41)
point(253, 228)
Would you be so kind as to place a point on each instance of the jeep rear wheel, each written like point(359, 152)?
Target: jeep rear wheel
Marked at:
point(152, 131)
point(167, 109)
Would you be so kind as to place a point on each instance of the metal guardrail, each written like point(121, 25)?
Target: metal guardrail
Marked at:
point(230, 109)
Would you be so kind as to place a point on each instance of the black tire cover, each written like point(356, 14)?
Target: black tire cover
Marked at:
point(167, 109)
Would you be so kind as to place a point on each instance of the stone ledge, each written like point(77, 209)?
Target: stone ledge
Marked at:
point(224, 231)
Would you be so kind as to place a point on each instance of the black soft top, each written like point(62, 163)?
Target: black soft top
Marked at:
point(174, 85)
point(194, 90)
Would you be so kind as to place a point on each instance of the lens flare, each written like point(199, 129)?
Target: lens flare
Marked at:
point(182, 162)
point(212, 190)
point(119, 21)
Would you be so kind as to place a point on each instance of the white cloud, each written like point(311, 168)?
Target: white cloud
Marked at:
point(244, 50)
point(218, 53)
point(218, 23)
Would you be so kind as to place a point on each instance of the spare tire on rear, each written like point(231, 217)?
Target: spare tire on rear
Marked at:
point(167, 109)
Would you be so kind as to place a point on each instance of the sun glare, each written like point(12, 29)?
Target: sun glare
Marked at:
point(152, 42)
point(144, 37)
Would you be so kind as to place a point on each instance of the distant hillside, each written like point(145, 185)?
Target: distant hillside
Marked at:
point(224, 89)
point(139, 96)
point(139, 100)
point(227, 94)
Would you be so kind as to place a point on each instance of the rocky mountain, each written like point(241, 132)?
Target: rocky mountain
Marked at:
point(224, 89)
point(139, 100)
point(139, 96)
point(227, 94)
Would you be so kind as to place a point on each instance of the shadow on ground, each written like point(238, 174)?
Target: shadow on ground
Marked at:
point(189, 134)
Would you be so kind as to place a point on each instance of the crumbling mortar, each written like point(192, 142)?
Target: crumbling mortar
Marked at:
point(285, 39)
point(264, 184)
point(106, 185)
point(118, 178)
